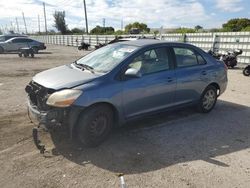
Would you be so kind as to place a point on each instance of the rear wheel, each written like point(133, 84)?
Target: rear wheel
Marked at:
point(246, 71)
point(95, 125)
point(208, 99)
point(35, 49)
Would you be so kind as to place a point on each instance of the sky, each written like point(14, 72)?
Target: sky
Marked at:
point(155, 13)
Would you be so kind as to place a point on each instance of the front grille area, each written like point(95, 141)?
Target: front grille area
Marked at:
point(38, 95)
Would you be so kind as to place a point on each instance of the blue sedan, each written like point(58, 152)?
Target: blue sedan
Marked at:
point(124, 81)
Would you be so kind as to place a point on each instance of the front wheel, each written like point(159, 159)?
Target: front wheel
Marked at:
point(208, 99)
point(246, 71)
point(95, 125)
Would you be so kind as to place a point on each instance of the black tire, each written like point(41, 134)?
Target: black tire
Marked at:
point(20, 54)
point(246, 71)
point(94, 125)
point(35, 49)
point(1, 50)
point(25, 54)
point(32, 55)
point(208, 99)
point(79, 47)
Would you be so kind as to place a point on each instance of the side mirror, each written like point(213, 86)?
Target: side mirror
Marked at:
point(133, 73)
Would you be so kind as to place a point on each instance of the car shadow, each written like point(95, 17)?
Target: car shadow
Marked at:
point(166, 139)
point(44, 52)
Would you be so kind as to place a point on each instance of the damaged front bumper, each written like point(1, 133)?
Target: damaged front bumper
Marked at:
point(43, 119)
point(52, 119)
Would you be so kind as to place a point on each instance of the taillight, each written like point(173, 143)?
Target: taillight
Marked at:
point(225, 66)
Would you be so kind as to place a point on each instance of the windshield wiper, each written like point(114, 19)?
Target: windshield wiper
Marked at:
point(84, 66)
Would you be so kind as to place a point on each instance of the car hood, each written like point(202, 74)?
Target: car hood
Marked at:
point(66, 76)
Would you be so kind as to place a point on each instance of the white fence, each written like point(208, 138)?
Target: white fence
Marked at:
point(221, 41)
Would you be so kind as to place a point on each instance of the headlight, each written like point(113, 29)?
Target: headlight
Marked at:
point(63, 98)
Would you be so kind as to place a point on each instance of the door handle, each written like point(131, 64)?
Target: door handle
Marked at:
point(203, 72)
point(170, 79)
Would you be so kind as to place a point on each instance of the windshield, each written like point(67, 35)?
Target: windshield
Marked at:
point(107, 58)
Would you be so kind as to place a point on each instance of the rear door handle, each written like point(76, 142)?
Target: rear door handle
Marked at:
point(204, 72)
point(170, 79)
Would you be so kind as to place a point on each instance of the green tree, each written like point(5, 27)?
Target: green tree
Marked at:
point(98, 30)
point(141, 26)
point(183, 30)
point(77, 31)
point(198, 27)
point(237, 24)
point(60, 23)
point(119, 32)
point(246, 28)
point(215, 30)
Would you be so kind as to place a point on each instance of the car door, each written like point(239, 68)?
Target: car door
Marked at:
point(15, 44)
point(191, 74)
point(30, 43)
point(155, 89)
point(8, 45)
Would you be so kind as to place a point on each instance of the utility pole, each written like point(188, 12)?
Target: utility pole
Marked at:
point(39, 24)
point(122, 24)
point(45, 20)
point(86, 18)
point(25, 24)
point(11, 26)
point(17, 25)
point(103, 22)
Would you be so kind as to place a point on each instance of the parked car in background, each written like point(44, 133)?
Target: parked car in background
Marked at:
point(123, 81)
point(14, 44)
point(9, 36)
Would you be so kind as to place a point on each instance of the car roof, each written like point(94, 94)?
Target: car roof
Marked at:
point(19, 38)
point(15, 34)
point(148, 42)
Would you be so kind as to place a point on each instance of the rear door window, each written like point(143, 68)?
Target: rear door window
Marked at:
point(28, 40)
point(186, 57)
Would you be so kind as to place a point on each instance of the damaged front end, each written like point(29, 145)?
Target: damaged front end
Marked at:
point(41, 114)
